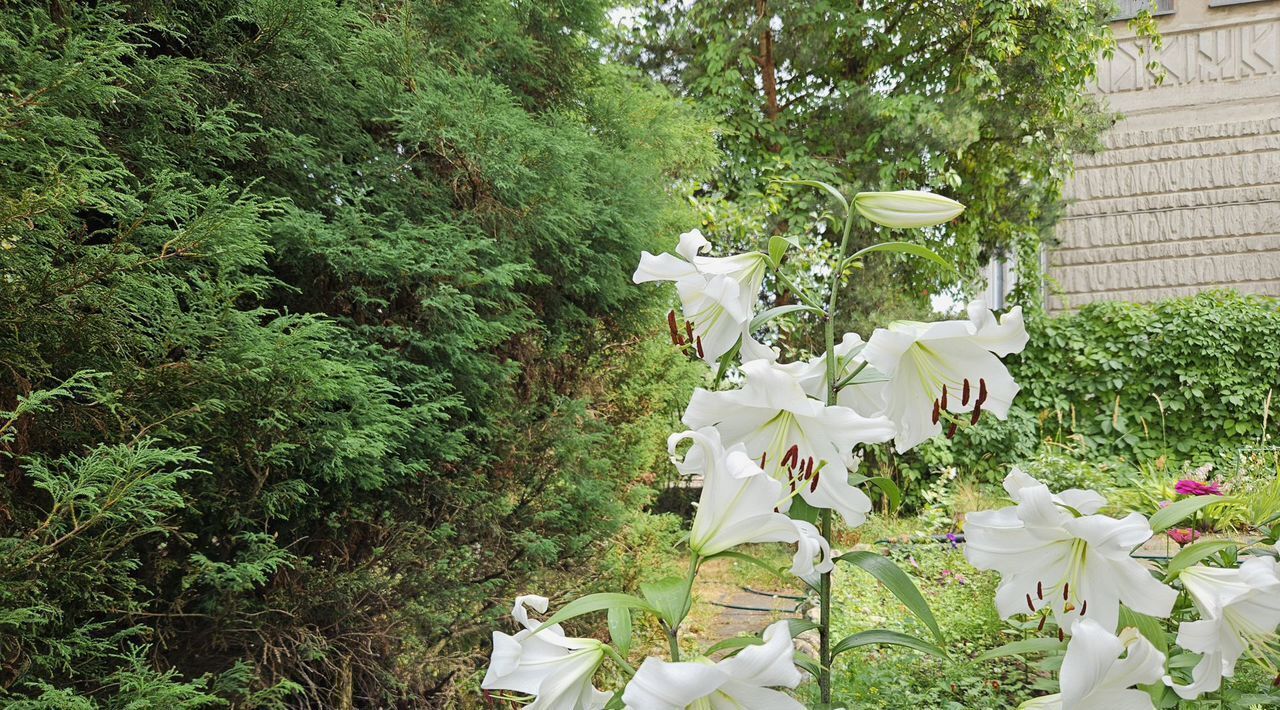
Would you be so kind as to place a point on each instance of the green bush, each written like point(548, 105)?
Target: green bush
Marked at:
point(1182, 380)
point(308, 315)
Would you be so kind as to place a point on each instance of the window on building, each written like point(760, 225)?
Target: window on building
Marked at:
point(1129, 9)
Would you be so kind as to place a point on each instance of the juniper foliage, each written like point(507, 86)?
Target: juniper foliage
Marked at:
point(305, 309)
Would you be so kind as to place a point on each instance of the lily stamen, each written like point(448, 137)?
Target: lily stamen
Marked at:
point(675, 329)
point(964, 396)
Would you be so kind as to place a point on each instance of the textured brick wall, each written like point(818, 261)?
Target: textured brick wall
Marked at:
point(1186, 195)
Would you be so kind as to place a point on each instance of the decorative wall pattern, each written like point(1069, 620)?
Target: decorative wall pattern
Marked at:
point(1186, 194)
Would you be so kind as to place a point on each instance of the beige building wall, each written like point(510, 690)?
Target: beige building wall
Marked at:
point(1186, 195)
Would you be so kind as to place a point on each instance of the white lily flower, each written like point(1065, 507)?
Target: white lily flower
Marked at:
point(947, 366)
point(718, 294)
point(555, 669)
point(1050, 558)
point(743, 681)
point(1094, 676)
point(1239, 612)
point(864, 395)
point(798, 440)
point(906, 209)
point(739, 505)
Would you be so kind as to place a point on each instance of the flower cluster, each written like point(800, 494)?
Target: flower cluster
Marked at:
point(1060, 559)
point(788, 432)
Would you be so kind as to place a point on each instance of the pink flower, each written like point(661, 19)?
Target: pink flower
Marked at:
point(1188, 487)
point(1183, 536)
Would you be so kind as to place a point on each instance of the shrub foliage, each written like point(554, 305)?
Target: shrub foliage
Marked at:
point(1188, 379)
point(306, 313)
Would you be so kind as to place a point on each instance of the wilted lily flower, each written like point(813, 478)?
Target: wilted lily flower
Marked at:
point(945, 367)
point(796, 438)
point(739, 504)
point(1239, 612)
point(1054, 552)
point(905, 209)
point(555, 669)
point(717, 294)
point(1095, 676)
point(743, 681)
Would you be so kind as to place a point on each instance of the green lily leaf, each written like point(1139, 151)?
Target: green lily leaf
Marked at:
point(778, 246)
point(1148, 626)
point(1166, 518)
point(884, 636)
point(886, 486)
point(669, 597)
point(897, 582)
point(766, 316)
point(741, 557)
point(1018, 648)
point(620, 628)
point(904, 248)
point(1193, 553)
point(821, 186)
point(596, 602)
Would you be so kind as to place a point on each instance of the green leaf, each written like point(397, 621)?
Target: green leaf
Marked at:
point(897, 582)
point(596, 602)
point(726, 361)
point(889, 488)
point(799, 626)
point(734, 643)
point(778, 246)
point(766, 316)
point(1148, 626)
point(1193, 553)
point(669, 597)
point(1018, 648)
point(801, 510)
point(1166, 518)
point(620, 628)
point(822, 186)
point(884, 636)
point(905, 248)
point(808, 663)
point(741, 557)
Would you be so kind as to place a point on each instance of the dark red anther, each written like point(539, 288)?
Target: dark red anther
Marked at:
point(813, 483)
point(936, 413)
point(1084, 607)
point(808, 471)
point(1041, 626)
point(792, 456)
point(763, 456)
point(675, 330)
point(944, 397)
point(688, 328)
point(1276, 682)
point(1066, 591)
point(1040, 589)
point(964, 396)
point(982, 390)
point(977, 414)
point(698, 342)
point(952, 431)
point(1061, 635)
point(1030, 605)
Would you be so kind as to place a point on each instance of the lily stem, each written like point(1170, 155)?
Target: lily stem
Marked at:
point(824, 583)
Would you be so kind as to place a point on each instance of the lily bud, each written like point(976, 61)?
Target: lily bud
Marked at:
point(906, 209)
